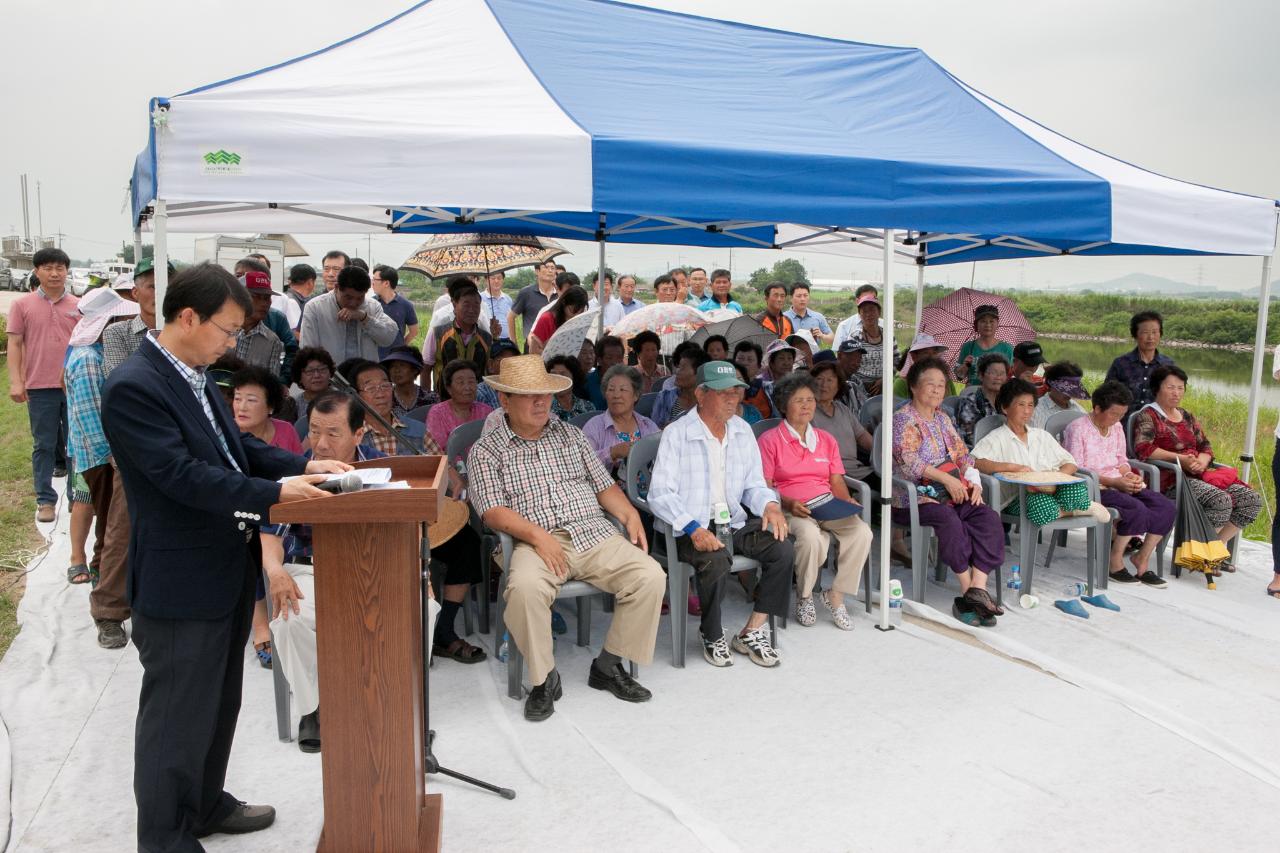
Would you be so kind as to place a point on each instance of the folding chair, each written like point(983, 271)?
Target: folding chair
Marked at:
point(456, 452)
point(759, 428)
point(581, 420)
point(645, 404)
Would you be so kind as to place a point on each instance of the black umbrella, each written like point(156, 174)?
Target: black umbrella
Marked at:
point(735, 330)
point(1198, 547)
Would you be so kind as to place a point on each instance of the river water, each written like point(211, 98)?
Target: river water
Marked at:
point(1225, 372)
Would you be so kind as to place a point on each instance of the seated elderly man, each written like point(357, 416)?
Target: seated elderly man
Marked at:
point(337, 425)
point(537, 479)
point(706, 478)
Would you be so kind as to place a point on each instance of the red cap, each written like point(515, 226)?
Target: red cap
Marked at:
point(255, 280)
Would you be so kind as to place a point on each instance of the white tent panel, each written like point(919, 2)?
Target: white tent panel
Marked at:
point(1151, 210)
point(384, 118)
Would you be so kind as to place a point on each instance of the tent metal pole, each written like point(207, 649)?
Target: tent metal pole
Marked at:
point(160, 236)
point(600, 294)
point(886, 436)
point(1259, 355)
point(137, 245)
point(919, 289)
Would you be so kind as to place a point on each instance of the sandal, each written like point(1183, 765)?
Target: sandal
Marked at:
point(982, 600)
point(78, 573)
point(806, 613)
point(459, 650)
point(1273, 593)
point(263, 650)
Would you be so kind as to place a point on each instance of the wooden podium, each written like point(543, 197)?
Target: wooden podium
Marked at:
point(367, 561)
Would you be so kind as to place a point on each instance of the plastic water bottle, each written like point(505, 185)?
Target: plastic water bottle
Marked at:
point(895, 602)
point(1015, 578)
point(502, 649)
point(1075, 589)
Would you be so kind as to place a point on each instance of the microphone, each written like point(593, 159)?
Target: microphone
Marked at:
point(350, 482)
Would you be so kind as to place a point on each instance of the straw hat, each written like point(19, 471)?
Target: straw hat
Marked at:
point(453, 516)
point(526, 374)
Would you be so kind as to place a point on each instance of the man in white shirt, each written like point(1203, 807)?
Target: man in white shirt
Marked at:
point(706, 478)
point(348, 321)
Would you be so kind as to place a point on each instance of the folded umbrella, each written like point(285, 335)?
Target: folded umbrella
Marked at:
point(1198, 547)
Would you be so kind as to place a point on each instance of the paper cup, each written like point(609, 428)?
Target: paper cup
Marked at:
point(1028, 601)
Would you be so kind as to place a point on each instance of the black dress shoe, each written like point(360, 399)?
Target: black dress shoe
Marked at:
point(309, 732)
point(619, 683)
point(244, 818)
point(59, 471)
point(541, 701)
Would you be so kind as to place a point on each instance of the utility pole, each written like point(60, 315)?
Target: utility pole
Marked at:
point(26, 212)
point(39, 209)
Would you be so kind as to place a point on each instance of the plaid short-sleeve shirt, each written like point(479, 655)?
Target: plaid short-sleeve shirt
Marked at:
point(552, 481)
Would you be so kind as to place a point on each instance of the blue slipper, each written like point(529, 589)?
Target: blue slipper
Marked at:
point(557, 623)
point(1071, 607)
point(1100, 600)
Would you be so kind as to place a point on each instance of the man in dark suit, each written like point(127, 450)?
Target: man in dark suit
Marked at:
point(197, 490)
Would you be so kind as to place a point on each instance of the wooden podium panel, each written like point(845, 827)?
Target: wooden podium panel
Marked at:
point(366, 554)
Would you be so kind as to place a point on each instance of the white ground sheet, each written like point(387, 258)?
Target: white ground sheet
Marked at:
point(1149, 729)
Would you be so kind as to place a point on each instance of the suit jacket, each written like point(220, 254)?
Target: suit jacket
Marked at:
point(194, 516)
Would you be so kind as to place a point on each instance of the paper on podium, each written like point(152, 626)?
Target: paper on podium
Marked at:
point(369, 477)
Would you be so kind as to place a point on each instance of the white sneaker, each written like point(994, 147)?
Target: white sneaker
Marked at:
point(716, 651)
point(755, 645)
point(806, 613)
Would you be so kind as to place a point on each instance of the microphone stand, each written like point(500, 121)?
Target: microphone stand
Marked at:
point(339, 383)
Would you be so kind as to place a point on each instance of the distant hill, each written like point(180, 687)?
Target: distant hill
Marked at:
point(1141, 282)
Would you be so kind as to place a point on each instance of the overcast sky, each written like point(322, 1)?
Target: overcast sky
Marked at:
point(1181, 87)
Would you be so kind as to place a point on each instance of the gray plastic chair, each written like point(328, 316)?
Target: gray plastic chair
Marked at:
point(420, 414)
point(759, 428)
point(280, 685)
point(581, 590)
point(870, 414)
point(988, 424)
point(645, 404)
point(581, 420)
point(920, 534)
point(949, 406)
point(456, 452)
point(679, 574)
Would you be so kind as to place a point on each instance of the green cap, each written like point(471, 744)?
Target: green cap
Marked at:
point(719, 376)
point(148, 265)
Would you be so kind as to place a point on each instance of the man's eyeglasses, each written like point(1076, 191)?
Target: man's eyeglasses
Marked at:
point(374, 389)
point(234, 334)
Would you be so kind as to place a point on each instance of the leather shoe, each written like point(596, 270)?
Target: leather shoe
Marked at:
point(541, 701)
point(244, 818)
point(309, 732)
point(45, 513)
point(619, 683)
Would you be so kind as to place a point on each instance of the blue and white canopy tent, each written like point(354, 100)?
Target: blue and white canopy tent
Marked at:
point(567, 119)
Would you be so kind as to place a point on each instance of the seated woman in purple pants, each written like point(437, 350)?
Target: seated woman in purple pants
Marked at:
point(1097, 442)
point(928, 451)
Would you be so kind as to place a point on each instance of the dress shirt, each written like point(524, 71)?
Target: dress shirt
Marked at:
point(681, 490)
point(195, 377)
point(602, 434)
point(1136, 374)
point(495, 308)
point(260, 347)
point(810, 321)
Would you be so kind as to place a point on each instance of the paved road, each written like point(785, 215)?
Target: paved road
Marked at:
point(7, 298)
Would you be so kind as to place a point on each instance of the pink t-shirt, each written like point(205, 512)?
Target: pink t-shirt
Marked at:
point(286, 437)
point(796, 471)
point(45, 328)
point(1091, 449)
point(442, 420)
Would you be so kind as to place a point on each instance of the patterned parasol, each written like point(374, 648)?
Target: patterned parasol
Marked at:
point(480, 254)
point(674, 322)
point(950, 320)
point(567, 340)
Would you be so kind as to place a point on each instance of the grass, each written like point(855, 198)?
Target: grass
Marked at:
point(18, 536)
point(1224, 419)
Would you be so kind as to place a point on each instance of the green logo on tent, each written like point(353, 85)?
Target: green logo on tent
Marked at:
point(222, 158)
